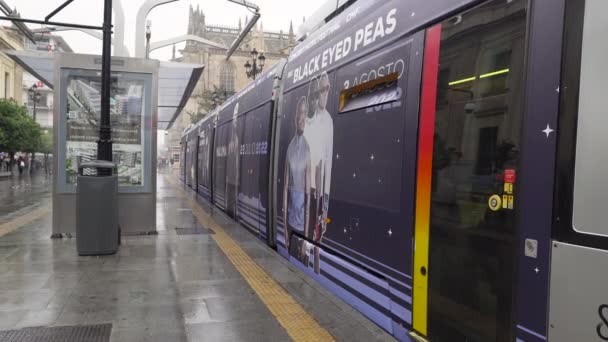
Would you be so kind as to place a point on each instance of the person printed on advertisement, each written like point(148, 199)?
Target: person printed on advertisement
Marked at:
point(319, 135)
point(312, 134)
point(193, 167)
point(327, 126)
point(232, 166)
point(296, 190)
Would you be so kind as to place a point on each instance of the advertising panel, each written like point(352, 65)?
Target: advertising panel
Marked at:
point(126, 117)
point(346, 128)
point(253, 191)
point(189, 162)
point(304, 177)
point(222, 136)
point(242, 147)
point(204, 160)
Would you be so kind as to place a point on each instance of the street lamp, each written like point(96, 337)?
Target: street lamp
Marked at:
point(256, 66)
point(148, 35)
point(35, 97)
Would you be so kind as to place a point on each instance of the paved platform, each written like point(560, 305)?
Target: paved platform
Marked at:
point(226, 286)
point(20, 195)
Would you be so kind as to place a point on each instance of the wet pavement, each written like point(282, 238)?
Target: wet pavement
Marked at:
point(21, 194)
point(166, 287)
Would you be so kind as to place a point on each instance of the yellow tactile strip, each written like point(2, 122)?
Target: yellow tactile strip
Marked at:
point(295, 320)
point(22, 220)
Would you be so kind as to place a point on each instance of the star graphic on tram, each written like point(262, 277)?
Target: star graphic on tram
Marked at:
point(548, 130)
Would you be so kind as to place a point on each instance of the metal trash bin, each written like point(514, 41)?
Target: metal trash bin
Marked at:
point(97, 229)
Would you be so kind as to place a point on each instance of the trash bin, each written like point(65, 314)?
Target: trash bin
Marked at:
point(97, 229)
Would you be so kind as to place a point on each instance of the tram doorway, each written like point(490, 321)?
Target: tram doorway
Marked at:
point(472, 127)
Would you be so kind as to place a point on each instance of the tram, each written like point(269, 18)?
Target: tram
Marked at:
point(436, 164)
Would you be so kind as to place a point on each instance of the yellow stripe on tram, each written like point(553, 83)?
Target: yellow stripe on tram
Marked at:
point(423, 182)
point(293, 318)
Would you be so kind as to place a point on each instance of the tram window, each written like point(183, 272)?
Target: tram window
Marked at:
point(478, 119)
point(591, 163)
point(494, 79)
point(443, 78)
point(486, 148)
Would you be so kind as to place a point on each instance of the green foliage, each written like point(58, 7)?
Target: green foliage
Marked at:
point(3, 138)
point(196, 116)
point(205, 103)
point(18, 131)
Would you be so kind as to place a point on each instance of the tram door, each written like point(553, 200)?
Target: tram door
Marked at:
point(470, 126)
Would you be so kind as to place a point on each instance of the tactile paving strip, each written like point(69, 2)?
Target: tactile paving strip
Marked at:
point(292, 316)
point(193, 231)
point(28, 218)
point(76, 333)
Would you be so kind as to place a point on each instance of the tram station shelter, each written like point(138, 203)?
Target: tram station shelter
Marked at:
point(146, 95)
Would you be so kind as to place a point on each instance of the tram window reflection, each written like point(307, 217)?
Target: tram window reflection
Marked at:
point(477, 139)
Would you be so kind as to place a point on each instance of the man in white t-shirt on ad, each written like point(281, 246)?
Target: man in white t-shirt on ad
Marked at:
point(319, 134)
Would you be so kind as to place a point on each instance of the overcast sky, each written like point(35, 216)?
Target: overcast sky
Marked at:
point(168, 20)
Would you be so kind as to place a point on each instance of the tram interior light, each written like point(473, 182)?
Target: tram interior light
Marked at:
point(471, 79)
point(464, 80)
point(494, 73)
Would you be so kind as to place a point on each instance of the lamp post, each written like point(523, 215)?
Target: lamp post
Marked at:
point(35, 97)
point(257, 64)
point(148, 35)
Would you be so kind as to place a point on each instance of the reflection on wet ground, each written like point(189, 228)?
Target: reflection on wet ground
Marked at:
point(167, 287)
point(20, 194)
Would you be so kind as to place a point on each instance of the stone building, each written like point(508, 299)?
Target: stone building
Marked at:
point(225, 76)
point(11, 74)
point(44, 106)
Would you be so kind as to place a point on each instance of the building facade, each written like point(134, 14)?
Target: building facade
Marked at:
point(220, 75)
point(11, 74)
point(44, 106)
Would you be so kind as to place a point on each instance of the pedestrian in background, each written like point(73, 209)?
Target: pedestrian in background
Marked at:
point(21, 165)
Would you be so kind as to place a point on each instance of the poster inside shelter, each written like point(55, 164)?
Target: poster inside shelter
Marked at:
point(126, 118)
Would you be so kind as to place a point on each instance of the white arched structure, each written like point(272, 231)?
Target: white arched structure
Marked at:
point(92, 33)
point(119, 30)
point(186, 37)
point(140, 25)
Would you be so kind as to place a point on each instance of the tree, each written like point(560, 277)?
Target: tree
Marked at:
point(18, 131)
point(196, 116)
point(205, 103)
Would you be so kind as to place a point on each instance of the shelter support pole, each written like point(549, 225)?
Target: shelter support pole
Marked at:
point(104, 144)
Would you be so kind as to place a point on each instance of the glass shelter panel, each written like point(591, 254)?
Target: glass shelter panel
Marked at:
point(130, 117)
